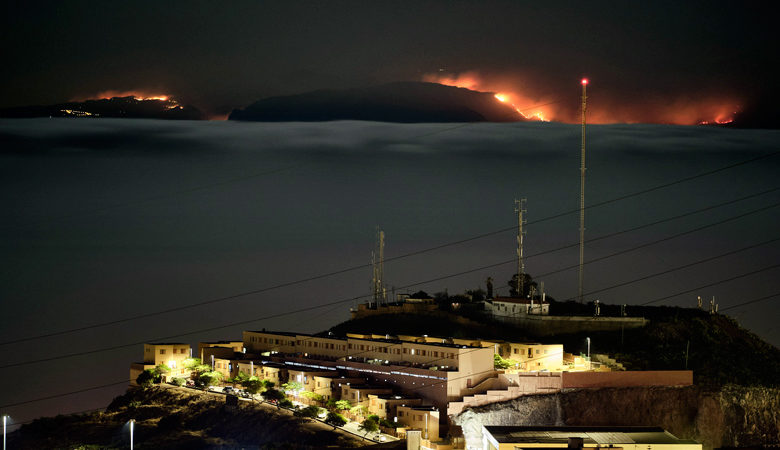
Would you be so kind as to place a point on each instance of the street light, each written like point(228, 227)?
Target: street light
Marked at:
point(5, 421)
point(589, 364)
point(132, 426)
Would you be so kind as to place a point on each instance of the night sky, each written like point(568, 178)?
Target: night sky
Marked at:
point(662, 62)
point(104, 219)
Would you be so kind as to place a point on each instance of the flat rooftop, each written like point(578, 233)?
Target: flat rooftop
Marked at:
point(398, 341)
point(589, 435)
point(282, 333)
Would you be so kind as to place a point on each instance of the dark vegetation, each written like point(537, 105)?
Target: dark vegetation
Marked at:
point(171, 419)
point(719, 351)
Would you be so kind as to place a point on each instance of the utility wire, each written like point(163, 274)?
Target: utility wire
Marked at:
point(752, 301)
point(668, 238)
point(725, 280)
point(311, 308)
point(365, 296)
point(49, 397)
point(684, 266)
point(408, 389)
point(349, 269)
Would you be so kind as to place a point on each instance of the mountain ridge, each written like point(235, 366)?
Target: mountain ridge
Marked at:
point(402, 102)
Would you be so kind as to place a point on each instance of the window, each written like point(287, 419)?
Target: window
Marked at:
point(162, 351)
point(538, 351)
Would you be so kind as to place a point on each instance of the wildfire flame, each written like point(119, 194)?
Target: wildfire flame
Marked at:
point(136, 94)
point(473, 81)
point(720, 110)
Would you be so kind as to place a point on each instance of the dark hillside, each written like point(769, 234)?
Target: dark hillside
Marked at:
point(719, 351)
point(172, 418)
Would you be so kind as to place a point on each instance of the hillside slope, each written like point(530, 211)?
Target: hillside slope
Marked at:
point(719, 351)
point(405, 102)
point(171, 418)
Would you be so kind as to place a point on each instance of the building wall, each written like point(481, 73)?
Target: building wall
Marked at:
point(387, 408)
point(218, 349)
point(535, 356)
point(425, 420)
point(136, 369)
point(262, 342)
point(510, 308)
point(571, 380)
point(172, 355)
point(476, 366)
point(416, 353)
point(358, 395)
point(321, 347)
point(227, 367)
point(308, 379)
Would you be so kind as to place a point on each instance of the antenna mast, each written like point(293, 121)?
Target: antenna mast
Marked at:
point(380, 294)
point(582, 192)
point(520, 210)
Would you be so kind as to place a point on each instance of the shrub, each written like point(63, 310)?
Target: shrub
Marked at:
point(335, 419)
point(145, 379)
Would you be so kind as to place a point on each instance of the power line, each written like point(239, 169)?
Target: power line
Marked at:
point(684, 266)
point(752, 301)
point(311, 308)
point(64, 394)
point(363, 296)
point(668, 238)
point(725, 280)
point(350, 269)
point(367, 351)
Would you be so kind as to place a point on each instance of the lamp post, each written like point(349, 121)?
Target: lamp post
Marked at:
point(132, 426)
point(212, 363)
point(589, 364)
point(5, 421)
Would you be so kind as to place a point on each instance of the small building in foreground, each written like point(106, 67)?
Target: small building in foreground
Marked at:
point(580, 437)
point(516, 306)
point(169, 354)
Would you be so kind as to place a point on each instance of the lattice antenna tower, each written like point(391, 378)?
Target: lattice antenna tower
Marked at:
point(582, 193)
point(520, 210)
point(378, 264)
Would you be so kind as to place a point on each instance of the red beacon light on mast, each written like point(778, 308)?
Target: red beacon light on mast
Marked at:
point(584, 81)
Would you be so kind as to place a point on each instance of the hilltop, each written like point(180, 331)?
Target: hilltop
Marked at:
point(116, 107)
point(719, 350)
point(404, 102)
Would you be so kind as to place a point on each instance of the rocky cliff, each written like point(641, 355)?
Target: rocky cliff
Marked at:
point(732, 416)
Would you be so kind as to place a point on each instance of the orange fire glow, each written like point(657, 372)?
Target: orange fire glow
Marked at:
point(601, 109)
point(473, 81)
point(137, 94)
